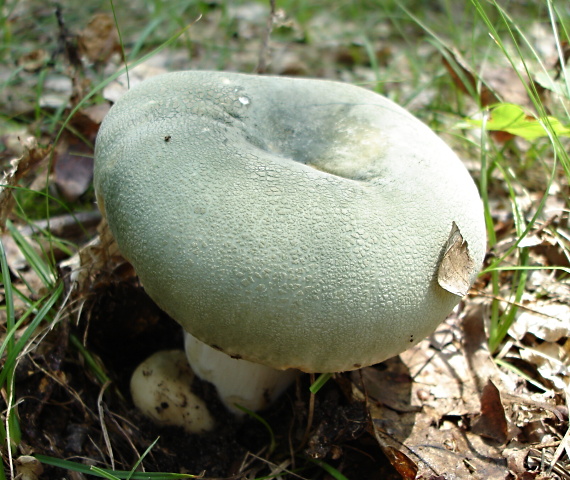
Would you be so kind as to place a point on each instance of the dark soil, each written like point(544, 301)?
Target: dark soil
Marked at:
point(121, 326)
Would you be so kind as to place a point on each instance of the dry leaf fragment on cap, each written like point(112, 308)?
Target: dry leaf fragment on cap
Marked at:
point(457, 265)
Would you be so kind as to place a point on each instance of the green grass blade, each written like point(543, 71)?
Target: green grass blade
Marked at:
point(90, 361)
point(103, 473)
point(120, 474)
point(260, 419)
point(10, 434)
point(37, 263)
point(139, 461)
point(333, 472)
point(320, 382)
point(121, 44)
point(42, 314)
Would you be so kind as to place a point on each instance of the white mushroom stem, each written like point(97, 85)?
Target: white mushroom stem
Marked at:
point(239, 382)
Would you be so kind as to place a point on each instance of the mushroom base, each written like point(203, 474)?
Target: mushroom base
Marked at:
point(238, 382)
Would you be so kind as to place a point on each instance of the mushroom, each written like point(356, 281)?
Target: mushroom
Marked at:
point(293, 223)
point(161, 390)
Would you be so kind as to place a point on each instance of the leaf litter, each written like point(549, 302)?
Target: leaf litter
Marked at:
point(443, 409)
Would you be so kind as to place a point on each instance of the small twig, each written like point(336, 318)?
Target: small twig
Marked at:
point(264, 51)
point(309, 416)
point(283, 467)
point(481, 293)
point(103, 425)
point(64, 226)
point(564, 444)
point(113, 417)
point(67, 41)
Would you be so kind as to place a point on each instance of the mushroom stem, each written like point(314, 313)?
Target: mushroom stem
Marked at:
point(239, 382)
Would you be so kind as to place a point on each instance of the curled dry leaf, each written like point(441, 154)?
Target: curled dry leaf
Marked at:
point(19, 167)
point(496, 83)
point(99, 40)
point(491, 422)
point(28, 468)
point(97, 261)
point(551, 361)
point(465, 77)
point(547, 320)
point(457, 266)
point(73, 168)
point(34, 60)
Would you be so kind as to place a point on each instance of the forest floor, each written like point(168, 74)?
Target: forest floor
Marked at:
point(485, 397)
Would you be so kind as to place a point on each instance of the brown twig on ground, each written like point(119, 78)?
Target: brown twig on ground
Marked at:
point(264, 51)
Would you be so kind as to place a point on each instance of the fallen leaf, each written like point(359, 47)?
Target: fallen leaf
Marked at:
point(98, 262)
point(491, 422)
point(551, 361)
point(547, 320)
point(456, 267)
point(429, 422)
point(34, 60)
point(373, 381)
point(465, 77)
point(31, 157)
point(511, 118)
point(28, 468)
point(73, 169)
point(99, 40)
point(402, 463)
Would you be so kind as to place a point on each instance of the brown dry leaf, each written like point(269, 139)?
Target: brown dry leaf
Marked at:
point(403, 464)
point(449, 384)
point(28, 468)
point(496, 83)
point(547, 320)
point(516, 458)
point(482, 368)
point(99, 40)
point(94, 114)
point(33, 155)
point(391, 372)
point(491, 423)
point(465, 77)
point(433, 394)
point(73, 168)
point(552, 362)
point(457, 265)
point(34, 60)
point(98, 261)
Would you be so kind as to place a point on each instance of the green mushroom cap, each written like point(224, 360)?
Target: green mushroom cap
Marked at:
point(291, 222)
